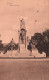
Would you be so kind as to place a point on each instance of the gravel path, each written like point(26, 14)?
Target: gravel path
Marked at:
point(24, 69)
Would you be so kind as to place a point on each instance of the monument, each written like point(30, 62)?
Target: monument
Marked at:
point(22, 36)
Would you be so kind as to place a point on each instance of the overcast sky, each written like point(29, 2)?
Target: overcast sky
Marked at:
point(34, 12)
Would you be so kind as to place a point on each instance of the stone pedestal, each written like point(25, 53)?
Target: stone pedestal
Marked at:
point(22, 48)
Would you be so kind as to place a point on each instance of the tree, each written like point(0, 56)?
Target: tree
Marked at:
point(41, 42)
point(37, 40)
point(29, 47)
point(46, 41)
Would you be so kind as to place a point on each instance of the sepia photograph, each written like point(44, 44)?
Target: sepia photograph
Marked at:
point(24, 39)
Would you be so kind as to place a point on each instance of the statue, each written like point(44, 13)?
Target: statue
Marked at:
point(22, 24)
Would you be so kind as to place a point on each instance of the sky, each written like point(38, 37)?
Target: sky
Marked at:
point(34, 12)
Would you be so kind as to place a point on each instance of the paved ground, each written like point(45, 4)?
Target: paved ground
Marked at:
point(24, 69)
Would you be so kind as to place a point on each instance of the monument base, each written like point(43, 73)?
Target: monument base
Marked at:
point(24, 53)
